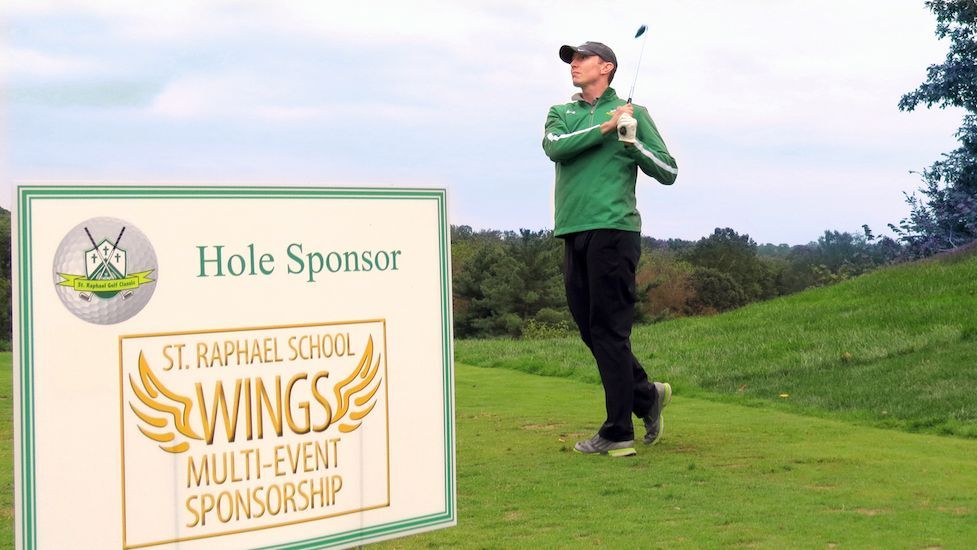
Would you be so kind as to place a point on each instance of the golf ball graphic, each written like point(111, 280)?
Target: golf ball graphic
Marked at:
point(105, 270)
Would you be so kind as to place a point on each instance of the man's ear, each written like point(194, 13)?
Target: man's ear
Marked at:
point(606, 67)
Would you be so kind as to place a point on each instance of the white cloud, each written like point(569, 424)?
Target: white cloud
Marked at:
point(242, 96)
point(18, 62)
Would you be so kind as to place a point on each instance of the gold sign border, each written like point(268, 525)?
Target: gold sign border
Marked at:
point(386, 407)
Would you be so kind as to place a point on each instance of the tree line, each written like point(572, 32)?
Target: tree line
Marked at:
point(509, 283)
point(6, 308)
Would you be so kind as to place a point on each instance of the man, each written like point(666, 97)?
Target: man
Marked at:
point(597, 217)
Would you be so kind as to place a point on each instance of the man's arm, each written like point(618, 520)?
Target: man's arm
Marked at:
point(561, 145)
point(650, 152)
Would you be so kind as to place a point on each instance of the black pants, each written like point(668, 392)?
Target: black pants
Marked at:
point(599, 271)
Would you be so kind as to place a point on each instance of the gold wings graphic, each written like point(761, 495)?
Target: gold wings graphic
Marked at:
point(354, 390)
point(166, 415)
point(151, 392)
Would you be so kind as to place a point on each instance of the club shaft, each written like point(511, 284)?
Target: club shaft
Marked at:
point(638, 66)
point(90, 239)
point(117, 239)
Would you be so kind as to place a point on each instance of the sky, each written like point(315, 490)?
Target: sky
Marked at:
point(781, 114)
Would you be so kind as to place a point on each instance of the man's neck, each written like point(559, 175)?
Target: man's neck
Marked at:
point(593, 91)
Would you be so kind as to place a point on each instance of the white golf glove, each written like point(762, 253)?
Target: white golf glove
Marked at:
point(627, 128)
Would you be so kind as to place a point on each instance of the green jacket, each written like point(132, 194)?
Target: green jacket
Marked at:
point(595, 173)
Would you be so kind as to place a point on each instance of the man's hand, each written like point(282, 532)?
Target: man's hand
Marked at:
point(611, 125)
point(627, 130)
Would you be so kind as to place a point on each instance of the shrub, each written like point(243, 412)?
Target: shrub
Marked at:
point(715, 291)
point(537, 330)
point(664, 287)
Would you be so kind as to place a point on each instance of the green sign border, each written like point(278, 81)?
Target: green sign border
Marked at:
point(27, 194)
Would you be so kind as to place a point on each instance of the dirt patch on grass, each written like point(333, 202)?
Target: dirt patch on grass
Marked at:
point(871, 512)
point(958, 511)
point(540, 427)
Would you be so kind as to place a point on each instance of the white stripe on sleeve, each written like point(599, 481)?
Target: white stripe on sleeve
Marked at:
point(655, 159)
point(554, 137)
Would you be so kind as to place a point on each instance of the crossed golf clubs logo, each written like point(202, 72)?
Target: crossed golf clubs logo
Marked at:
point(105, 270)
point(89, 289)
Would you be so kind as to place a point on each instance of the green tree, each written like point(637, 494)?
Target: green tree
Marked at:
point(6, 311)
point(771, 250)
point(715, 291)
point(526, 282)
point(801, 269)
point(502, 280)
point(735, 255)
point(946, 214)
point(473, 261)
point(662, 285)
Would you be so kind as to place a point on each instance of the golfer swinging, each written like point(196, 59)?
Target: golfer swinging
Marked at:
point(598, 141)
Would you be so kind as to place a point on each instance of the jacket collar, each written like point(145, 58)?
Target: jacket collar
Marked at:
point(608, 95)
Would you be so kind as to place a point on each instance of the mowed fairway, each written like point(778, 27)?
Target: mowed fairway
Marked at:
point(725, 475)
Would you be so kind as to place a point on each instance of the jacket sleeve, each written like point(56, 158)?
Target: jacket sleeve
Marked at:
point(561, 145)
point(649, 150)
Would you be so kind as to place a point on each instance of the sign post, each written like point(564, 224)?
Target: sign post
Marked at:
point(240, 367)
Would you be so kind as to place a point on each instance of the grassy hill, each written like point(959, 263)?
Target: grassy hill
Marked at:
point(894, 348)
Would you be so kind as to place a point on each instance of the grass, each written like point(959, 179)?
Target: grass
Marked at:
point(895, 348)
point(6, 451)
point(725, 475)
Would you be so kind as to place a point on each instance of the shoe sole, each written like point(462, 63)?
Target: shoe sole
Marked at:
point(666, 399)
point(616, 453)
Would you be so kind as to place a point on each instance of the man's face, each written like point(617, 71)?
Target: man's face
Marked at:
point(587, 69)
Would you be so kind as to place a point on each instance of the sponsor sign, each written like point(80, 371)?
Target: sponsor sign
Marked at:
point(239, 367)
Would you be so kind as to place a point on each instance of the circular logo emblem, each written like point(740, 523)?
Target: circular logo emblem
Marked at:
point(105, 270)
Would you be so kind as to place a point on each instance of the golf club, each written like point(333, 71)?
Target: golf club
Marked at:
point(627, 126)
point(641, 31)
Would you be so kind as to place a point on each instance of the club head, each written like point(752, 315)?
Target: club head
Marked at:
point(641, 30)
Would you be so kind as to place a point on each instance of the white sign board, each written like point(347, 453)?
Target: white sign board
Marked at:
point(231, 367)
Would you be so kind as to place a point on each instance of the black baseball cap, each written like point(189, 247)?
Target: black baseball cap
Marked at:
point(588, 48)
